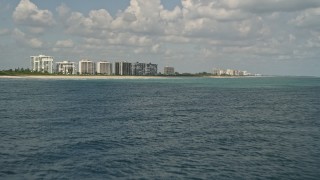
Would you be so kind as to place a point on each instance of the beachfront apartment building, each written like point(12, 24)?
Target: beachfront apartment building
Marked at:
point(104, 67)
point(244, 73)
point(230, 72)
point(168, 70)
point(138, 69)
point(123, 68)
point(66, 67)
point(86, 67)
point(144, 69)
point(218, 72)
point(151, 69)
point(42, 63)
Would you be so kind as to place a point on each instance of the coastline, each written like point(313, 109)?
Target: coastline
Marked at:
point(79, 77)
point(114, 77)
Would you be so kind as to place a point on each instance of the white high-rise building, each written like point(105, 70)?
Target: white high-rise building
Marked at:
point(230, 72)
point(86, 67)
point(42, 63)
point(245, 73)
point(66, 67)
point(104, 67)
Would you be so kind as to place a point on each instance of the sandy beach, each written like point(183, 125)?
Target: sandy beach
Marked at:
point(115, 77)
point(83, 77)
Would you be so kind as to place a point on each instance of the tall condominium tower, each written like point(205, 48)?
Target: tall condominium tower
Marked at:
point(104, 67)
point(151, 69)
point(42, 63)
point(86, 67)
point(66, 67)
point(138, 69)
point(219, 72)
point(143, 69)
point(168, 70)
point(123, 68)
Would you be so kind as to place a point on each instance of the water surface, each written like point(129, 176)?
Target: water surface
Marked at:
point(175, 128)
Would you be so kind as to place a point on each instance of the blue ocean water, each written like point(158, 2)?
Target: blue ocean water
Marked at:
point(174, 128)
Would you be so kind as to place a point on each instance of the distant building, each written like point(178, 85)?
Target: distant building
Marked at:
point(86, 67)
point(151, 69)
point(236, 73)
point(218, 72)
point(168, 70)
point(144, 69)
point(229, 72)
point(245, 73)
point(42, 63)
point(123, 68)
point(104, 67)
point(66, 67)
point(138, 69)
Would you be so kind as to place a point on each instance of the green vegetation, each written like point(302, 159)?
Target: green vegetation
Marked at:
point(28, 72)
point(201, 74)
point(20, 72)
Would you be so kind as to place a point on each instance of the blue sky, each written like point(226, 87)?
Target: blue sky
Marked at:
point(276, 37)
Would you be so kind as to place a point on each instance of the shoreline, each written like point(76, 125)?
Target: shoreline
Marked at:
point(79, 77)
point(115, 77)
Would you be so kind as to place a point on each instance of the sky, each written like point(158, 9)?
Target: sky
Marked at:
point(274, 37)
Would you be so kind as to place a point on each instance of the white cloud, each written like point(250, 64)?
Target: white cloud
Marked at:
point(271, 5)
point(144, 17)
point(244, 28)
point(128, 39)
point(173, 15)
point(36, 30)
point(4, 31)
point(100, 18)
point(155, 48)
point(97, 22)
point(35, 43)
point(193, 19)
point(28, 13)
point(292, 38)
point(308, 19)
point(211, 9)
point(313, 43)
point(175, 39)
point(25, 40)
point(148, 24)
point(63, 10)
point(139, 50)
point(65, 43)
